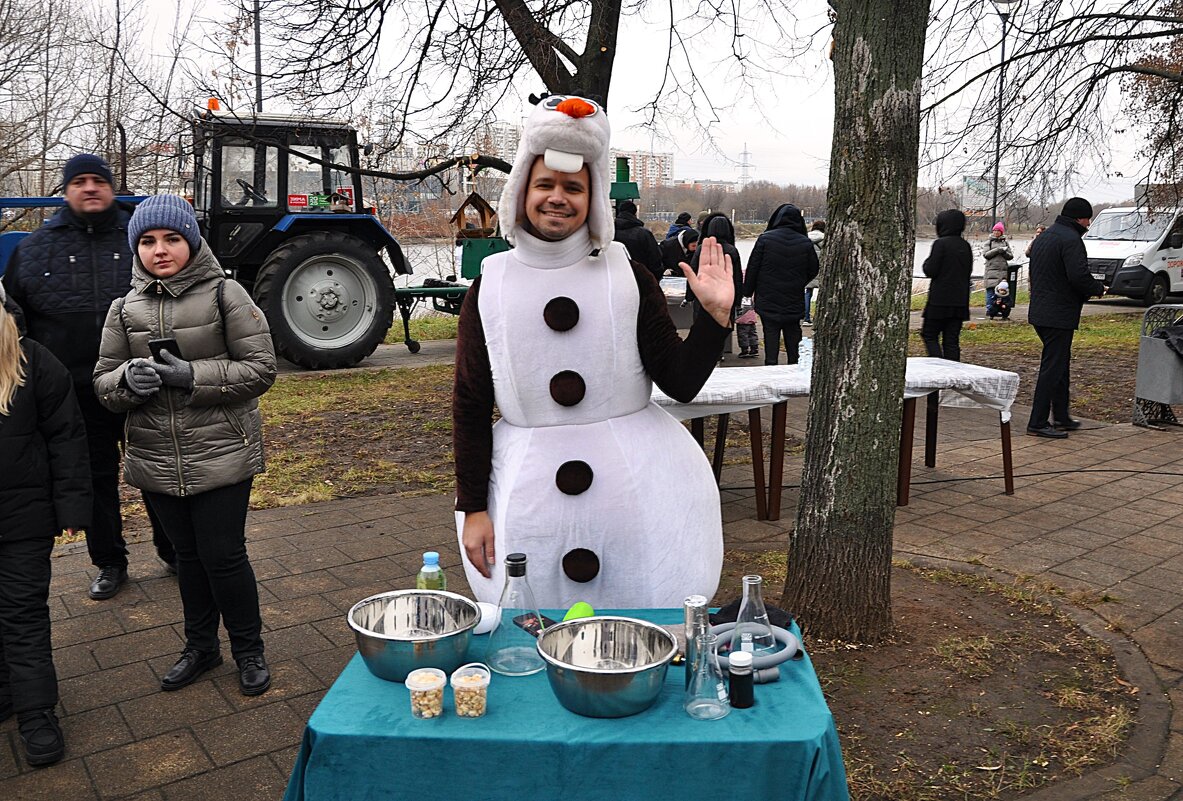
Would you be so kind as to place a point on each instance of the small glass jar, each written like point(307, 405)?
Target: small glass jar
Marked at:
point(470, 689)
point(427, 692)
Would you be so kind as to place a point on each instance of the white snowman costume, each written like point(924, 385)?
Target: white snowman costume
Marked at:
point(610, 498)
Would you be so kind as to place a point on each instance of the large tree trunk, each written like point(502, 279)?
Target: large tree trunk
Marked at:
point(839, 561)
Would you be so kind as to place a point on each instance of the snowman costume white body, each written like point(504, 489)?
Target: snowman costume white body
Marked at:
point(643, 510)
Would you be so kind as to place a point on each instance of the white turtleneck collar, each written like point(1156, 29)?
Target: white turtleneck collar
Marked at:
point(546, 255)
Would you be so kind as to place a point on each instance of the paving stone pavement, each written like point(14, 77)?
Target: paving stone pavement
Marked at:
point(1099, 515)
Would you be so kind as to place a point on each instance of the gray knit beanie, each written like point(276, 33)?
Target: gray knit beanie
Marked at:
point(165, 211)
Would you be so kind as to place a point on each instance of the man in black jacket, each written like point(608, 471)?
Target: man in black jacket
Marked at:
point(782, 263)
point(64, 277)
point(637, 239)
point(1060, 284)
point(678, 249)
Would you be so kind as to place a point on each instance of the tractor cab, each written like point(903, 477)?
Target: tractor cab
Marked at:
point(280, 202)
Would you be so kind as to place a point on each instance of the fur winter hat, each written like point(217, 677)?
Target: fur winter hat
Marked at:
point(165, 211)
point(1077, 208)
point(568, 132)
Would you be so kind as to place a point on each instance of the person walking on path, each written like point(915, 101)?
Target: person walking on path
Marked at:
point(949, 265)
point(64, 277)
point(782, 263)
point(637, 239)
point(817, 235)
point(44, 488)
point(997, 255)
point(1060, 284)
point(682, 223)
point(195, 438)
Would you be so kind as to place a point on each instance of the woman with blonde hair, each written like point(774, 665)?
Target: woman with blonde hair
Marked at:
point(44, 488)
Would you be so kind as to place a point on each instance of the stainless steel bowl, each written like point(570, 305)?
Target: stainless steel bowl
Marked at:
point(400, 631)
point(606, 667)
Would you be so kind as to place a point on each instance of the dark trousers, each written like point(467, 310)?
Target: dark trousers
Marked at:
point(1051, 388)
point(749, 342)
point(773, 330)
point(104, 537)
point(208, 531)
point(27, 676)
point(942, 329)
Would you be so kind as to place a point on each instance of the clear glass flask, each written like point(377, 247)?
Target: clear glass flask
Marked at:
point(513, 651)
point(706, 697)
point(752, 632)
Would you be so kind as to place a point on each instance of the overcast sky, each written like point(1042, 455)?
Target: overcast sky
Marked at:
point(788, 143)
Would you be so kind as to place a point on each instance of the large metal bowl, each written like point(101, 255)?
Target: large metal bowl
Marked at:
point(402, 630)
point(606, 667)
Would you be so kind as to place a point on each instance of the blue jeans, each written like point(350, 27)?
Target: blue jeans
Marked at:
point(989, 302)
point(808, 318)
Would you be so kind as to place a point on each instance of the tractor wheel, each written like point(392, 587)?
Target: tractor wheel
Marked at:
point(1158, 291)
point(328, 298)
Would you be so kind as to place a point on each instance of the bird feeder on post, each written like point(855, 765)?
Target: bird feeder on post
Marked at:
point(476, 241)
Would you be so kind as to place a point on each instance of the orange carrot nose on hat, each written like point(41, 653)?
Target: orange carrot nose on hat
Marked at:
point(999, 228)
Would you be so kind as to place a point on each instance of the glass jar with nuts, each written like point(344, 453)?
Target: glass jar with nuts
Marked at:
point(470, 689)
point(427, 692)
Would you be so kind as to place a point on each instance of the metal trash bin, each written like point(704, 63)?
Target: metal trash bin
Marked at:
point(1159, 382)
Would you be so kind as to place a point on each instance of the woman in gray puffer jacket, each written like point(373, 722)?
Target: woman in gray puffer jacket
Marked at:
point(194, 434)
point(997, 255)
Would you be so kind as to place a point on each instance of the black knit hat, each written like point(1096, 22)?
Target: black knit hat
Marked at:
point(87, 164)
point(1077, 208)
point(683, 218)
point(628, 207)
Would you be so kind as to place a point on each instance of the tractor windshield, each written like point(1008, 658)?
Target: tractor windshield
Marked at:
point(250, 174)
point(319, 187)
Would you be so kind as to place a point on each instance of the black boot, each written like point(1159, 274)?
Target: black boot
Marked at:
point(189, 668)
point(108, 583)
point(253, 676)
point(42, 737)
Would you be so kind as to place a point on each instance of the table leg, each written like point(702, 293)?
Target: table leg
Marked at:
point(777, 468)
point(930, 429)
point(696, 426)
point(756, 435)
point(1008, 467)
point(904, 475)
point(720, 444)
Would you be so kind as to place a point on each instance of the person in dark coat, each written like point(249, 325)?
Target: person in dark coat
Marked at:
point(44, 488)
point(782, 263)
point(949, 265)
point(64, 276)
point(682, 223)
point(1060, 284)
point(718, 225)
point(637, 239)
point(679, 249)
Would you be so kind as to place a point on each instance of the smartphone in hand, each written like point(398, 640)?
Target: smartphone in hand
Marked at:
point(157, 346)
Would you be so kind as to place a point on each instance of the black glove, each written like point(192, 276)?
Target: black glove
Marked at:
point(174, 372)
point(141, 377)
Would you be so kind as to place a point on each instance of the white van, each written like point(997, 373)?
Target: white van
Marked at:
point(1137, 253)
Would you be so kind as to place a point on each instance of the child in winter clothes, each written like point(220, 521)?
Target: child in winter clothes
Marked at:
point(44, 488)
point(194, 433)
point(997, 255)
point(745, 329)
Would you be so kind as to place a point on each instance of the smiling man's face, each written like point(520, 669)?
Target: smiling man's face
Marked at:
point(556, 202)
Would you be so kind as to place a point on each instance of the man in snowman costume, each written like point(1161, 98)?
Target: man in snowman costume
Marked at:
point(566, 336)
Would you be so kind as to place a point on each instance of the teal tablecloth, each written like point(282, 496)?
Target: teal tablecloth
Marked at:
point(361, 743)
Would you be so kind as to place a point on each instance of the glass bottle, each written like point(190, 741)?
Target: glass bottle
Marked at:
point(430, 576)
point(513, 651)
point(740, 680)
point(752, 632)
point(706, 697)
point(695, 622)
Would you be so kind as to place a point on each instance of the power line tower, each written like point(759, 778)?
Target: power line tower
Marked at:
point(745, 164)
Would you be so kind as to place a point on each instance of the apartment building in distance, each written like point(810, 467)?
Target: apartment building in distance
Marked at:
point(704, 184)
point(649, 170)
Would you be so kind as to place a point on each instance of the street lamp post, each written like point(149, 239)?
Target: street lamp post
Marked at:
point(1003, 7)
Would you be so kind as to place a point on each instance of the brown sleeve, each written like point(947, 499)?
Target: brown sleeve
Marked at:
point(678, 368)
point(472, 409)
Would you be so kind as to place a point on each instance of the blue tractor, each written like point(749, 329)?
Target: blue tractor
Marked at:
point(290, 225)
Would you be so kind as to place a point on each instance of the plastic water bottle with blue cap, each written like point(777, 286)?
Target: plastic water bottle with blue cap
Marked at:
point(430, 576)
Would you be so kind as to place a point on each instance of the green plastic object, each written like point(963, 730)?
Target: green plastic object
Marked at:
point(578, 610)
point(475, 251)
point(623, 188)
